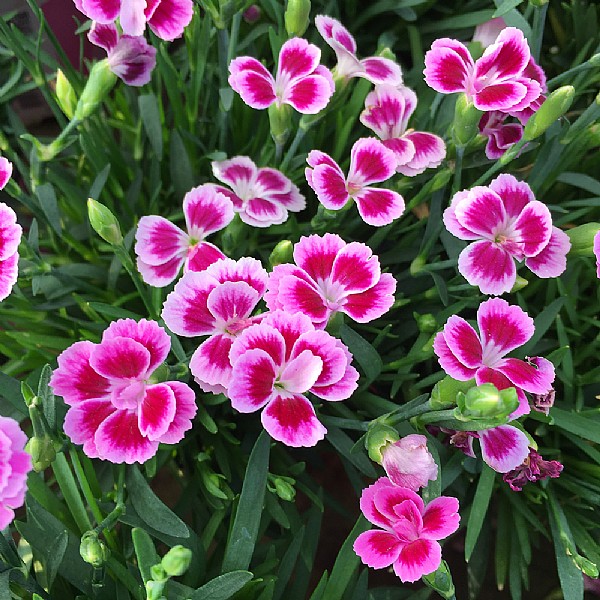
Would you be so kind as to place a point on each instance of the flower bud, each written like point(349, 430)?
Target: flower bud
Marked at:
point(441, 179)
point(426, 323)
point(42, 452)
point(487, 402)
point(93, 550)
point(466, 121)
point(99, 84)
point(155, 589)
point(408, 463)
point(280, 121)
point(554, 107)
point(441, 581)
point(176, 561)
point(65, 94)
point(582, 239)
point(445, 391)
point(520, 283)
point(252, 14)
point(104, 223)
point(378, 437)
point(416, 266)
point(284, 489)
point(296, 17)
point(282, 253)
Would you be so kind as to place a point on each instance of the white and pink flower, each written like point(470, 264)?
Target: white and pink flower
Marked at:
point(261, 196)
point(276, 362)
point(15, 463)
point(218, 303)
point(370, 162)
point(116, 410)
point(166, 18)
point(131, 58)
point(409, 539)
point(505, 223)
point(300, 82)
point(496, 81)
point(387, 111)
point(162, 248)
point(10, 237)
point(408, 463)
point(331, 276)
point(376, 69)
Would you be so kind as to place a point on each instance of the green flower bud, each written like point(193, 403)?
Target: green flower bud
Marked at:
point(42, 452)
point(416, 266)
point(445, 391)
point(162, 373)
point(487, 402)
point(176, 561)
point(284, 489)
point(280, 119)
point(155, 589)
point(296, 17)
point(282, 253)
point(554, 107)
point(104, 223)
point(441, 179)
point(99, 84)
point(378, 437)
point(157, 573)
point(519, 284)
point(582, 239)
point(441, 581)
point(65, 94)
point(426, 323)
point(466, 121)
point(93, 550)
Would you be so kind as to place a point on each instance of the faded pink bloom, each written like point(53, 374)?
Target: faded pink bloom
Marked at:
point(496, 81)
point(370, 162)
point(131, 58)
point(411, 530)
point(465, 355)
point(597, 253)
point(501, 136)
point(408, 463)
point(506, 223)
point(376, 69)
point(300, 82)
point(487, 33)
point(15, 463)
point(534, 468)
point(276, 362)
point(162, 248)
point(117, 410)
point(166, 18)
point(387, 111)
point(252, 14)
point(217, 302)
point(331, 276)
point(261, 196)
point(10, 236)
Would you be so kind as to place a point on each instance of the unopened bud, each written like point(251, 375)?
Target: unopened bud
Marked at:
point(296, 17)
point(104, 222)
point(487, 402)
point(426, 323)
point(416, 266)
point(93, 550)
point(445, 392)
point(408, 463)
point(441, 581)
point(466, 121)
point(441, 179)
point(42, 452)
point(155, 589)
point(582, 239)
point(379, 436)
point(554, 107)
point(252, 14)
point(284, 489)
point(99, 84)
point(280, 121)
point(176, 561)
point(282, 253)
point(520, 283)
point(65, 94)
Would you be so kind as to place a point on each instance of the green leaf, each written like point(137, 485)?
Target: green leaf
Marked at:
point(151, 509)
point(585, 427)
point(505, 7)
point(10, 390)
point(366, 356)
point(99, 183)
point(181, 168)
point(47, 198)
point(150, 114)
point(344, 444)
point(244, 532)
point(287, 564)
point(54, 556)
point(223, 587)
point(145, 552)
point(479, 508)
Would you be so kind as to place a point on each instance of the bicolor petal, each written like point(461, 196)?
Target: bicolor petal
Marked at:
point(552, 260)
point(156, 411)
point(488, 266)
point(504, 447)
point(379, 207)
point(377, 549)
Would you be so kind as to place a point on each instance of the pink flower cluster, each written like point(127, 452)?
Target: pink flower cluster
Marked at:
point(10, 236)
point(117, 410)
point(15, 463)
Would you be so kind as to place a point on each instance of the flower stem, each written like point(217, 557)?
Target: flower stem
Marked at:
point(460, 152)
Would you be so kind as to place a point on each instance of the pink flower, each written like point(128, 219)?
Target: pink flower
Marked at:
point(15, 463)
point(370, 162)
point(597, 253)
point(534, 468)
point(486, 33)
point(162, 248)
point(166, 18)
point(376, 69)
point(130, 58)
point(217, 302)
point(331, 276)
point(408, 463)
point(276, 362)
point(300, 81)
point(500, 136)
point(387, 111)
point(507, 223)
point(10, 236)
point(410, 529)
point(118, 412)
point(465, 355)
point(262, 197)
point(496, 81)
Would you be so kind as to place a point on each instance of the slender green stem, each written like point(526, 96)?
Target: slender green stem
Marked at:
point(460, 152)
point(223, 52)
point(567, 75)
point(128, 580)
point(70, 492)
point(414, 408)
point(300, 133)
point(506, 159)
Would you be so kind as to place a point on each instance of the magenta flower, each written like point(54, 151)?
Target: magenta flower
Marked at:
point(506, 222)
point(370, 162)
point(465, 355)
point(500, 136)
point(387, 111)
point(131, 58)
point(15, 463)
point(411, 530)
point(534, 468)
point(300, 81)
point(118, 412)
point(408, 463)
point(162, 248)
point(217, 302)
point(166, 18)
point(376, 69)
point(10, 236)
point(261, 196)
point(496, 81)
point(276, 362)
point(331, 276)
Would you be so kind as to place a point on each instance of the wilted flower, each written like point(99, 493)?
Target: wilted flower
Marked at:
point(533, 468)
point(501, 136)
point(408, 463)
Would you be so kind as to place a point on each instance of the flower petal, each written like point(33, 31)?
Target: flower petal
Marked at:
point(355, 268)
point(379, 207)
point(504, 447)
point(329, 186)
point(260, 336)
point(261, 212)
point(82, 422)
point(316, 254)
point(370, 162)
point(10, 232)
point(160, 275)
point(245, 269)
point(132, 18)
point(372, 303)
point(210, 362)
point(481, 212)
point(377, 549)
point(430, 151)
point(488, 266)
point(440, 518)
point(506, 58)
point(104, 35)
point(9, 273)
point(463, 342)
point(201, 256)
point(533, 378)
point(120, 358)
point(501, 96)
point(301, 372)
point(6, 170)
point(297, 59)
point(185, 411)
point(156, 411)
point(451, 222)
point(449, 362)
point(238, 172)
point(206, 211)
point(552, 260)
point(330, 351)
point(309, 95)
point(252, 380)
point(381, 71)
point(232, 301)
point(158, 241)
point(334, 33)
point(103, 11)
point(448, 66)
point(170, 18)
point(387, 110)
point(403, 149)
point(418, 558)
point(533, 228)
point(297, 295)
point(252, 82)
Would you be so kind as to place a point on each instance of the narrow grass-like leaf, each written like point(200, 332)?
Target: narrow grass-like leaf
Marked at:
point(145, 552)
point(150, 115)
point(223, 587)
point(479, 508)
point(366, 356)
